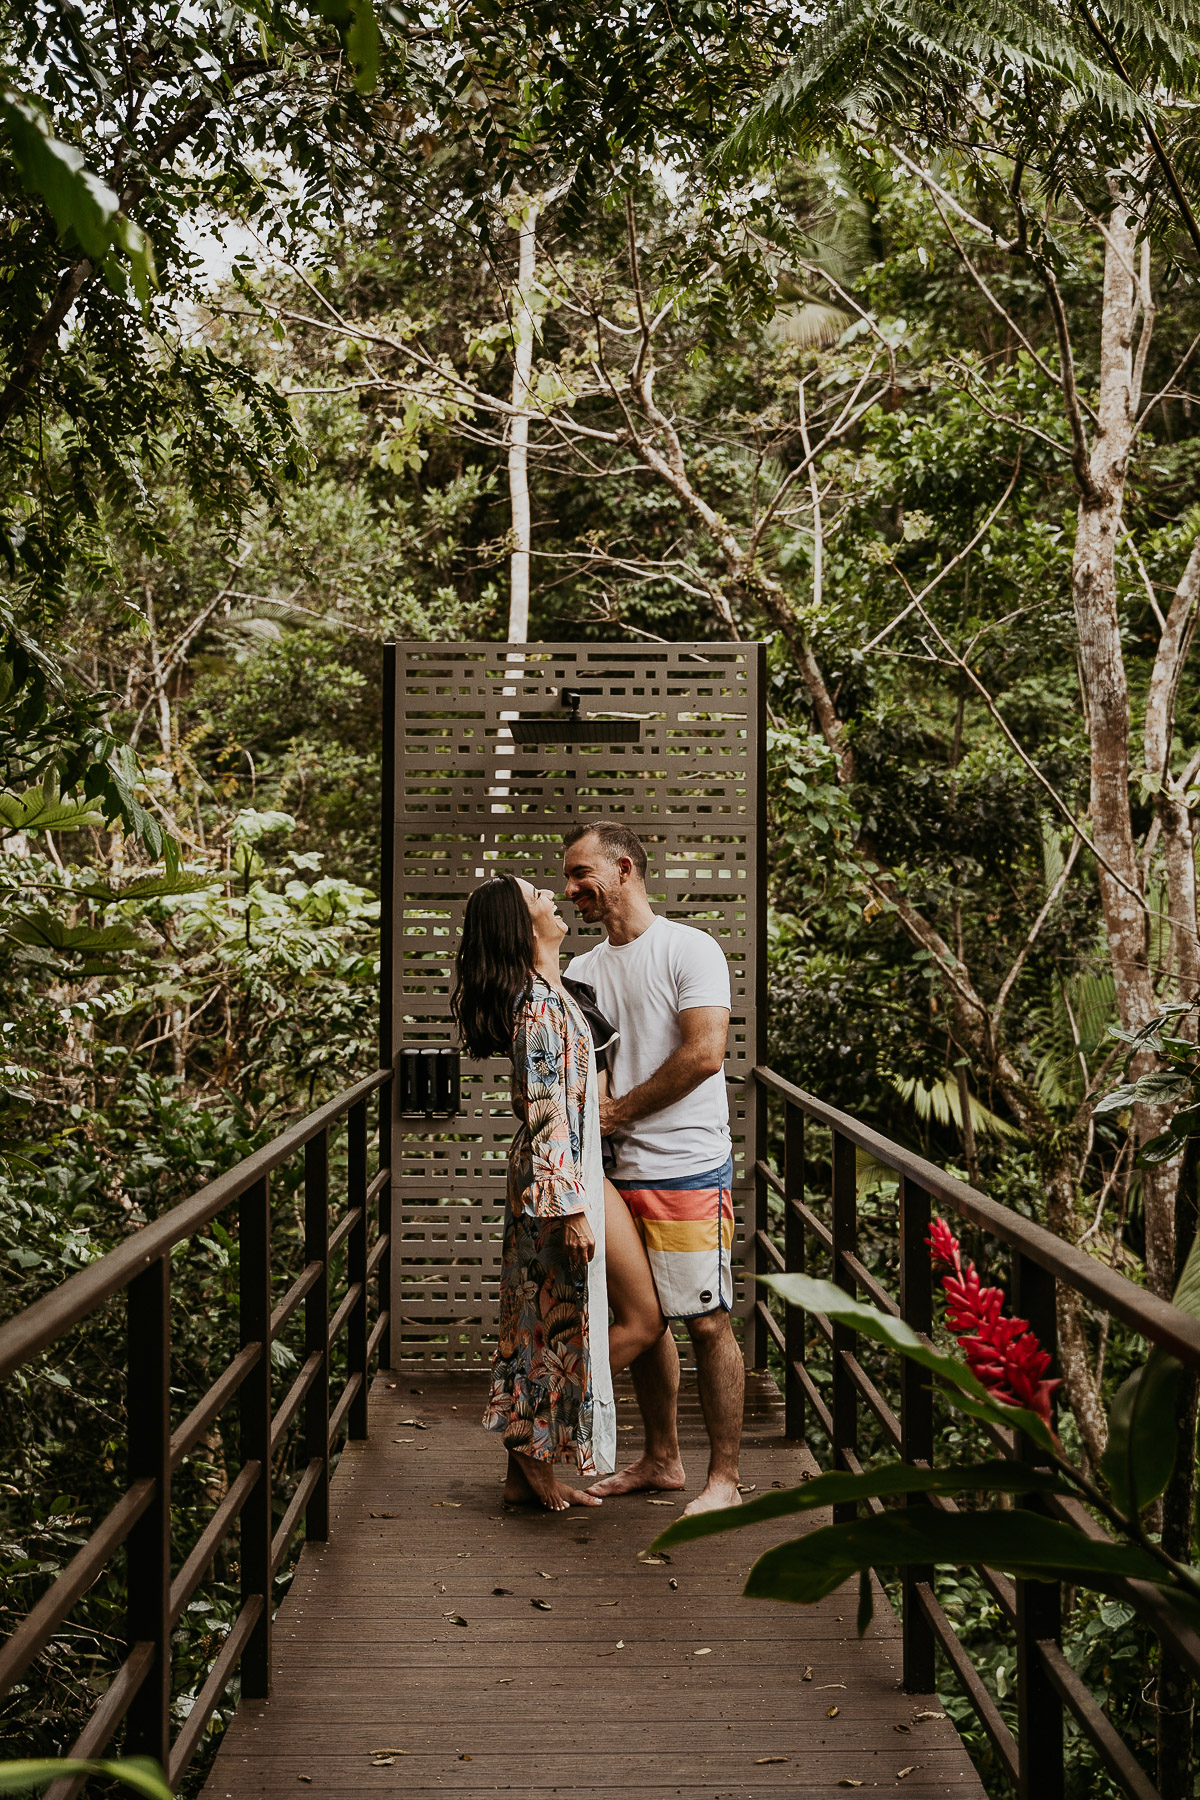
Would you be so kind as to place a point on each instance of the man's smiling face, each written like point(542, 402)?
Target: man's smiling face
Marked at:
point(592, 880)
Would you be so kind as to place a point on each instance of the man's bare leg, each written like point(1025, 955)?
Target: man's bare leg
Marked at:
point(721, 1379)
point(656, 1383)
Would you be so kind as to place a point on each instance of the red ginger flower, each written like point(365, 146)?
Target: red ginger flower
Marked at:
point(1001, 1353)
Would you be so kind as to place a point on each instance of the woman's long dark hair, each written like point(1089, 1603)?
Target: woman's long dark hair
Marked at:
point(494, 965)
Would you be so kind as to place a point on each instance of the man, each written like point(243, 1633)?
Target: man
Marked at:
point(665, 986)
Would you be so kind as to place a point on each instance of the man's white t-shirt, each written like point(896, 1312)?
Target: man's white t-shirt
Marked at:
point(641, 988)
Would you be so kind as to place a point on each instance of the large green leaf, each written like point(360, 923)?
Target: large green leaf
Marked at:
point(358, 29)
point(77, 199)
point(42, 928)
point(970, 1393)
point(1018, 1542)
point(35, 811)
point(999, 1476)
point(1143, 1437)
point(1143, 1433)
point(140, 1773)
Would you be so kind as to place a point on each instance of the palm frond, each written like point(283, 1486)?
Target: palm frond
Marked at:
point(939, 1100)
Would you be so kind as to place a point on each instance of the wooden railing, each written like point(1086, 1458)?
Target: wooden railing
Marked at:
point(140, 1692)
point(1048, 1686)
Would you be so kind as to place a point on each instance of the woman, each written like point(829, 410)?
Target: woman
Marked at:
point(551, 1394)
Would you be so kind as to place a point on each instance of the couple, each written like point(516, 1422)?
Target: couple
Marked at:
point(629, 1046)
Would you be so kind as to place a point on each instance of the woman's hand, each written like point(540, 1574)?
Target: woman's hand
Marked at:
point(579, 1236)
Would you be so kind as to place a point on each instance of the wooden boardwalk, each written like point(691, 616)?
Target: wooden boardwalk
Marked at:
point(440, 1644)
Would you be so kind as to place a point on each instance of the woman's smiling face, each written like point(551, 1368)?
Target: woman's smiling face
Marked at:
point(548, 926)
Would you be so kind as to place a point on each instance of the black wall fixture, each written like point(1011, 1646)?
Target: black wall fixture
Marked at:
point(430, 1081)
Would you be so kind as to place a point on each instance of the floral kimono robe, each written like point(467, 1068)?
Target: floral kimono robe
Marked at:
point(551, 1393)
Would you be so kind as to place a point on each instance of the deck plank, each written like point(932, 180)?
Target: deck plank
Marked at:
point(590, 1698)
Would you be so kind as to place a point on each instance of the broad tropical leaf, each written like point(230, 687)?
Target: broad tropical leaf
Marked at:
point(895, 1478)
point(78, 201)
point(140, 1773)
point(35, 811)
point(1018, 1542)
point(1143, 1438)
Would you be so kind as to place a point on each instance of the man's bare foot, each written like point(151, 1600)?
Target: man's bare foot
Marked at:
point(533, 1483)
point(719, 1491)
point(647, 1474)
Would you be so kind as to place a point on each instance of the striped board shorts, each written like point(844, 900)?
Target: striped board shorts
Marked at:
point(687, 1227)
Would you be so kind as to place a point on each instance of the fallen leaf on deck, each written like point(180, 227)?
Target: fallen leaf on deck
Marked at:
point(546, 1575)
point(767, 1759)
point(415, 1423)
point(384, 1515)
point(831, 1712)
point(506, 1681)
point(502, 1590)
point(403, 1440)
point(387, 1751)
point(608, 1603)
point(807, 1675)
point(463, 1757)
point(927, 1715)
point(620, 1644)
point(456, 1503)
point(663, 1503)
point(542, 1605)
point(747, 1487)
point(901, 1773)
point(652, 1561)
point(846, 1781)
point(701, 1652)
point(383, 1762)
point(826, 1685)
point(455, 1618)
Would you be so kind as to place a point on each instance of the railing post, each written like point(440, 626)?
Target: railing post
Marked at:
point(756, 1332)
point(916, 1420)
point(387, 1049)
point(794, 1259)
point(845, 1238)
point(148, 1415)
point(356, 1265)
point(257, 1520)
point(1039, 1603)
point(316, 1330)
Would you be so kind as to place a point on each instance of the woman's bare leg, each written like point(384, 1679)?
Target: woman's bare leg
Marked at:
point(640, 1336)
point(637, 1321)
point(532, 1482)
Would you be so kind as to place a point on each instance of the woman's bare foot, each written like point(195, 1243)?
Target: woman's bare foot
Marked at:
point(533, 1483)
point(645, 1475)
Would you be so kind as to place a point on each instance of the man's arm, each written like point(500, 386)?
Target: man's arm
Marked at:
point(701, 1054)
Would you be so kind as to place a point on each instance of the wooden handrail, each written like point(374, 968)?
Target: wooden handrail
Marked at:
point(1047, 1686)
point(1151, 1317)
point(140, 1267)
point(48, 1318)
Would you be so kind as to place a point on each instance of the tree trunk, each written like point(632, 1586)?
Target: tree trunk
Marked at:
point(518, 430)
point(1106, 689)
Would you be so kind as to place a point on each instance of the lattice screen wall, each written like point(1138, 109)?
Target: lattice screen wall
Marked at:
point(468, 801)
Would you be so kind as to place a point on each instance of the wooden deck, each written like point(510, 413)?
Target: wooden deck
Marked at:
point(440, 1644)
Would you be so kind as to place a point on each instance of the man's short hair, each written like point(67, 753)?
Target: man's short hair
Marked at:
point(615, 840)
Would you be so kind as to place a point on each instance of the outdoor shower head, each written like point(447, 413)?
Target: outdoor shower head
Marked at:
point(569, 726)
